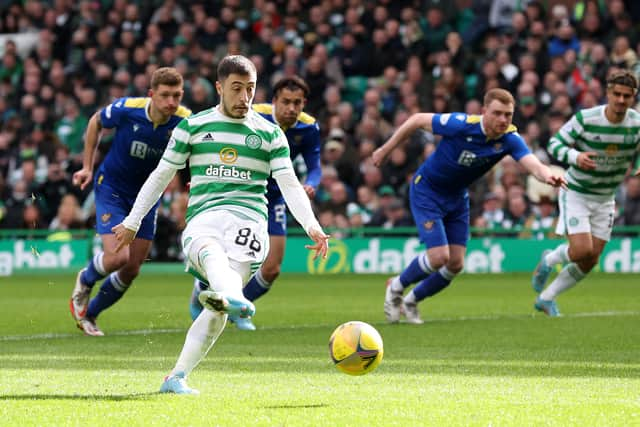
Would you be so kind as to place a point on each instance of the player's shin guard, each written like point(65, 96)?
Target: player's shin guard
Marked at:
point(417, 270)
point(110, 292)
point(256, 287)
point(202, 334)
point(433, 284)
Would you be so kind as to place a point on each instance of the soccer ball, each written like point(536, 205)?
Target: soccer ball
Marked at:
point(356, 348)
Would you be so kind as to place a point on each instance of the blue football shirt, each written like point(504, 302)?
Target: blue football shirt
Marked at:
point(465, 153)
point(304, 139)
point(138, 144)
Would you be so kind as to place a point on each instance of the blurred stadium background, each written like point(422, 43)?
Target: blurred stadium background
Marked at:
point(62, 60)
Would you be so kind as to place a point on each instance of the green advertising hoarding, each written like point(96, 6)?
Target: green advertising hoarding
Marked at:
point(42, 255)
point(351, 255)
point(484, 255)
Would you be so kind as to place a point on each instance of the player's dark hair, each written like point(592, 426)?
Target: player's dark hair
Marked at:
point(624, 78)
point(498, 94)
point(235, 64)
point(165, 76)
point(291, 83)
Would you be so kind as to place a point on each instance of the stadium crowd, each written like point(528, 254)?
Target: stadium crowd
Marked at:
point(369, 65)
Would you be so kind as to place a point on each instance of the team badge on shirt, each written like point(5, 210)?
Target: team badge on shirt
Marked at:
point(253, 141)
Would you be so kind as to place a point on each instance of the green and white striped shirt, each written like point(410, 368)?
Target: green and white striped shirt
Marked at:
point(615, 145)
point(229, 160)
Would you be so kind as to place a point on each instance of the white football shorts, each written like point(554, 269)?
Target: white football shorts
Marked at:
point(580, 213)
point(245, 241)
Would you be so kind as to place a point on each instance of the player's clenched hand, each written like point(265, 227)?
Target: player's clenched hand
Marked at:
point(82, 178)
point(123, 235)
point(321, 245)
point(585, 160)
point(379, 156)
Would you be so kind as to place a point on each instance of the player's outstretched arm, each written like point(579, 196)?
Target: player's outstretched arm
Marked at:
point(149, 194)
point(416, 121)
point(300, 206)
point(84, 176)
point(541, 171)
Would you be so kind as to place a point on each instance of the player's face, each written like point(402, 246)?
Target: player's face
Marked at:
point(619, 99)
point(166, 99)
point(236, 94)
point(497, 118)
point(288, 105)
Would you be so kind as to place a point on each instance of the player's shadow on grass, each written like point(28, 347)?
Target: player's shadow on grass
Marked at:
point(107, 397)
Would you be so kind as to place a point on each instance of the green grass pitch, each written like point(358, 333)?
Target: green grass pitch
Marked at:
point(484, 358)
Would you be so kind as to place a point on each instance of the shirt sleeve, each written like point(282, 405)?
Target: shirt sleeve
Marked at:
point(279, 157)
point(296, 199)
point(111, 115)
point(449, 124)
point(517, 146)
point(561, 144)
point(179, 146)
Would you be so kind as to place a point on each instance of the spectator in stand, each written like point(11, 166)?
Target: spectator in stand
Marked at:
point(492, 213)
point(69, 215)
point(542, 221)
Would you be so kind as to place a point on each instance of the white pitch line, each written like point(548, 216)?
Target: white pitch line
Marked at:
point(53, 336)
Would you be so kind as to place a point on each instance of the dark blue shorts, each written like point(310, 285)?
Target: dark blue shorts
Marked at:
point(112, 208)
point(441, 219)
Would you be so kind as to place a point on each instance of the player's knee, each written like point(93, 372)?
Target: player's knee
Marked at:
point(438, 260)
point(455, 266)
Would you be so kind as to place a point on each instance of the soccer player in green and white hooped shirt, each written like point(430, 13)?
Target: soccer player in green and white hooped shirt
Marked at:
point(599, 144)
point(232, 150)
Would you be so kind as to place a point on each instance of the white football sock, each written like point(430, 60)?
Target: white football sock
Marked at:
point(201, 336)
point(559, 255)
point(566, 279)
point(396, 285)
point(410, 298)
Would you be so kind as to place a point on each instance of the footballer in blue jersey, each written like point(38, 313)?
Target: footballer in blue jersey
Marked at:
point(142, 130)
point(303, 134)
point(471, 145)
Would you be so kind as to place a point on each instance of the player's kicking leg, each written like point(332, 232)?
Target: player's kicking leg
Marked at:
point(194, 303)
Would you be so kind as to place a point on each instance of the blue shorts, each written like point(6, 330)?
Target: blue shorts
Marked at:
point(277, 216)
point(112, 208)
point(441, 219)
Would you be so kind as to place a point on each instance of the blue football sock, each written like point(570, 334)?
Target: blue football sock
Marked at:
point(94, 271)
point(111, 291)
point(417, 270)
point(433, 284)
point(256, 287)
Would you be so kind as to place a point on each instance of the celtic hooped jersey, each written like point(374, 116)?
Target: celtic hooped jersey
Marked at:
point(229, 160)
point(614, 144)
